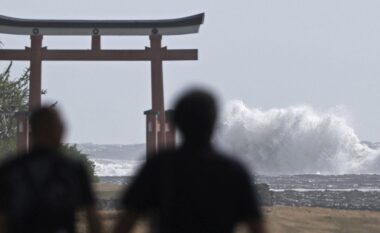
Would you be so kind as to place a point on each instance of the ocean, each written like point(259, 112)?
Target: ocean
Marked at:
point(306, 156)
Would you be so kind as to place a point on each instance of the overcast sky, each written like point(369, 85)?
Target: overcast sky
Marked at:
point(324, 53)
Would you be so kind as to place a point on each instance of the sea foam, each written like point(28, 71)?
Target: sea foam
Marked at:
point(113, 167)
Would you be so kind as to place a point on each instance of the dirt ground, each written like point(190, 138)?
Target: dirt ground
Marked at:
point(286, 219)
point(318, 220)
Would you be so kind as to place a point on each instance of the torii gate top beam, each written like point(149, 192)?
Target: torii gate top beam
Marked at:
point(180, 26)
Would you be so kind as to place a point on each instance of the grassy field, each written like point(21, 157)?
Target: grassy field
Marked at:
point(318, 220)
point(282, 219)
point(108, 191)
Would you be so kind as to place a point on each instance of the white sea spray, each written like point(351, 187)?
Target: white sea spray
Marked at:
point(112, 167)
point(294, 140)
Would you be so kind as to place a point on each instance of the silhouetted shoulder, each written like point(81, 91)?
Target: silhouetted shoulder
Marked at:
point(217, 160)
point(41, 157)
point(41, 171)
point(10, 162)
point(229, 161)
point(209, 161)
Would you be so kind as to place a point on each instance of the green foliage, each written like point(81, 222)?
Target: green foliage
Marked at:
point(7, 146)
point(73, 151)
point(14, 95)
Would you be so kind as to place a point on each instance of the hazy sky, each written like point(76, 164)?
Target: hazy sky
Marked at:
point(324, 53)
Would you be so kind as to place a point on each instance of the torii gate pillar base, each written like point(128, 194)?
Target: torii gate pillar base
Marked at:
point(170, 129)
point(22, 136)
point(154, 131)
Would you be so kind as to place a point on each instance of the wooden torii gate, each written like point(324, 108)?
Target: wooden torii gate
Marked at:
point(160, 132)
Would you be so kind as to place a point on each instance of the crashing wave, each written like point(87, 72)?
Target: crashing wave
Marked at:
point(112, 167)
point(294, 140)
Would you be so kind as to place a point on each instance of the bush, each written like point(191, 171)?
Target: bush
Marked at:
point(72, 151)
point(7, 147)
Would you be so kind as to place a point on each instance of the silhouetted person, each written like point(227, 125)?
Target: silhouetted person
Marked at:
point(193, 189)
point(40, 191)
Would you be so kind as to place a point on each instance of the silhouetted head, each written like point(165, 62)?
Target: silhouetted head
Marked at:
point(47, 128)
point(195, 114)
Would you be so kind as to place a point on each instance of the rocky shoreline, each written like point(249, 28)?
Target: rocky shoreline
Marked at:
point(350, 192)
point(349, 200)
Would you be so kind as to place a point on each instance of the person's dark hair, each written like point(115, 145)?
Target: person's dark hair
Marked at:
point(195, 114)
point(44, 119)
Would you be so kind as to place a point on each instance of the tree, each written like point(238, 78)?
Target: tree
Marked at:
point(73, 151)
point(14, 97)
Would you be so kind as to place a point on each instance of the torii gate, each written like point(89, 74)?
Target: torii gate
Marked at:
point(160, 133)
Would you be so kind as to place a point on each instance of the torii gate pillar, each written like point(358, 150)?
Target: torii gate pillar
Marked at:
point(35, 84)
point(158, 105)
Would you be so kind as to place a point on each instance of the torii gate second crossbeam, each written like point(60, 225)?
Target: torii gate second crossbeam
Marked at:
point(160, 133)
